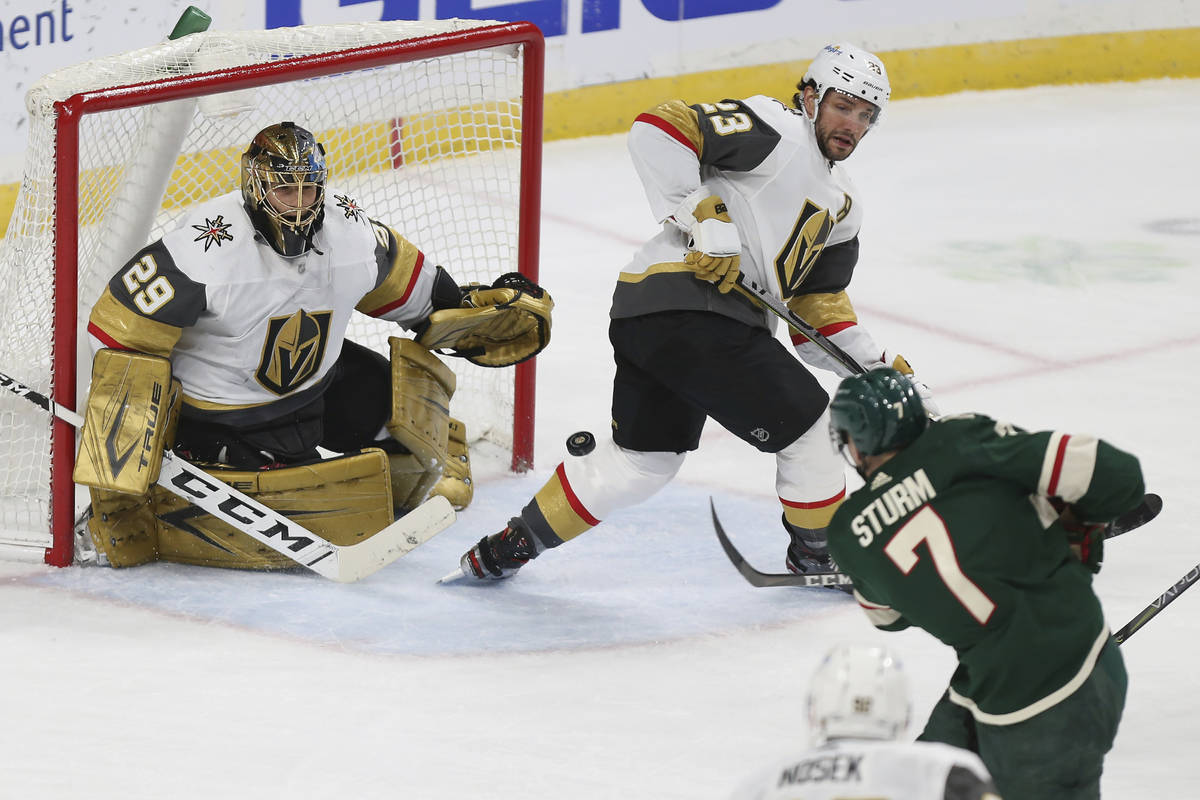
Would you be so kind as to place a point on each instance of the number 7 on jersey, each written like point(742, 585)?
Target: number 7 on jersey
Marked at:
point(926, 526)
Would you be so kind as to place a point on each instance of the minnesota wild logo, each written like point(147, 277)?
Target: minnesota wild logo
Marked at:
point(293, 350)
point(214, 231)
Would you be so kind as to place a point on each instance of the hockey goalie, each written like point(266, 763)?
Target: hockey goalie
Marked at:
point(225, 341)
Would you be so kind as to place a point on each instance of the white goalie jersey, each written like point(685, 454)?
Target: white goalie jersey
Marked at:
point(798, 216)
point(248, 331)
point(852, 769)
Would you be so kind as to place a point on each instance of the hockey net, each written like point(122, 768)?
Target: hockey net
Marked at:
point(433, 127)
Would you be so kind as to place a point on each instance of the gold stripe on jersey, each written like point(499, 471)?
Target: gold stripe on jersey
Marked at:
point(823, 310)
point(654, 269)
point(130, 329)
point(396, 287)
point(683, 118)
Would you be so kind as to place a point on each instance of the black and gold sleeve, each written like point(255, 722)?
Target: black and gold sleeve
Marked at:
point(147, 304)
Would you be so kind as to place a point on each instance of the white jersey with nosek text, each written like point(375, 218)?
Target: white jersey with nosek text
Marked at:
point(849, 769)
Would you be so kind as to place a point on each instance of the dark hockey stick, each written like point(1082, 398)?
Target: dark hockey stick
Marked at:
point(762, 579)
point(779, 308)
point(342, 563)
point(1147, 510)
point(1151, 611)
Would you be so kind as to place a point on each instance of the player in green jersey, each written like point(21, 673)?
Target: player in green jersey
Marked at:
point(987, 536)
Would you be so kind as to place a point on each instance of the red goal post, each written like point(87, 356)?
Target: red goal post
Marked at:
point(434, 127)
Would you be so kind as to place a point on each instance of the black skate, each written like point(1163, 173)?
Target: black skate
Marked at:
point(500, 555)
point(808, 554)
point(801, 560)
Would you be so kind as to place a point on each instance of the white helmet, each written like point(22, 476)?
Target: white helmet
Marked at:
point(851, 70)
point(858, 692)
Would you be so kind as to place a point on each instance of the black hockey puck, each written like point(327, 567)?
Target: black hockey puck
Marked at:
point(581, 443)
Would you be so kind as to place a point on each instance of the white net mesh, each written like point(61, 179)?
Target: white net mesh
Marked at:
point(429, 146)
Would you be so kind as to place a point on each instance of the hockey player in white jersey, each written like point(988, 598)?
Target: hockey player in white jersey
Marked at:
point(238, 318)
point(752, 186)
point(858, 710)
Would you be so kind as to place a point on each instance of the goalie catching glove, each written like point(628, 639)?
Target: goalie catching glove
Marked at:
point(496, 326)
point(714, 247)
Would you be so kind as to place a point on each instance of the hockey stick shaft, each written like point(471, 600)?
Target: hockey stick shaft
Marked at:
point(344, 564)
point(1145, 511)
point(1151, 611)
point(769, 301)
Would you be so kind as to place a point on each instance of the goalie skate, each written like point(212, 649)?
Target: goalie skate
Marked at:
point(86, 554)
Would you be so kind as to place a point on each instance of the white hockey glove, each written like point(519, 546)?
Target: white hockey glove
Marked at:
point(926, 395)
point(714, 246)
point(898, 363)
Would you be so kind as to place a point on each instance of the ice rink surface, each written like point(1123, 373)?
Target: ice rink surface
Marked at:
point(1035, 254)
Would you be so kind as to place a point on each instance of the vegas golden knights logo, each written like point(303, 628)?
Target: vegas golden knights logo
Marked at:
point(803, 247)
point(293, 350)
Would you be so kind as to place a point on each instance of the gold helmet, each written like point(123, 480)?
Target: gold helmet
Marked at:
point(283, 186)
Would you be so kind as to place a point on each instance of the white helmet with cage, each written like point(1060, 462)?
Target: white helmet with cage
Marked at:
point(848, 69)
point(858, 692)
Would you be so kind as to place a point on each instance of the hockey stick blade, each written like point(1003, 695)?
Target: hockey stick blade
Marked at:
point(764, 579)
point(418, 526)
point(243, 513)
point(1147, 510)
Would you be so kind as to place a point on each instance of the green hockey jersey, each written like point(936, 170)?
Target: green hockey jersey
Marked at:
point(955, 534)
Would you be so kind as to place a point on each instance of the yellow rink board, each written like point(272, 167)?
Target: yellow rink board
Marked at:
point(353, 150)
point(611, 108)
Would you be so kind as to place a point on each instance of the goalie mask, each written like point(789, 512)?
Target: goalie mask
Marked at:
point(283, 187)
point(850, 70)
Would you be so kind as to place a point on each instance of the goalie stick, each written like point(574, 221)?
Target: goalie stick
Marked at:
point(342, 563)
point(1145, 511)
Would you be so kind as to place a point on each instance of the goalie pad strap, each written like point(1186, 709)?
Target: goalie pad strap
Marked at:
point(456, 484)
point(410, 480)
point(130, 416)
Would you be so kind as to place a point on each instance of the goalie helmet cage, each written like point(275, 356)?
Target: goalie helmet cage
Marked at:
point(433, 128)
